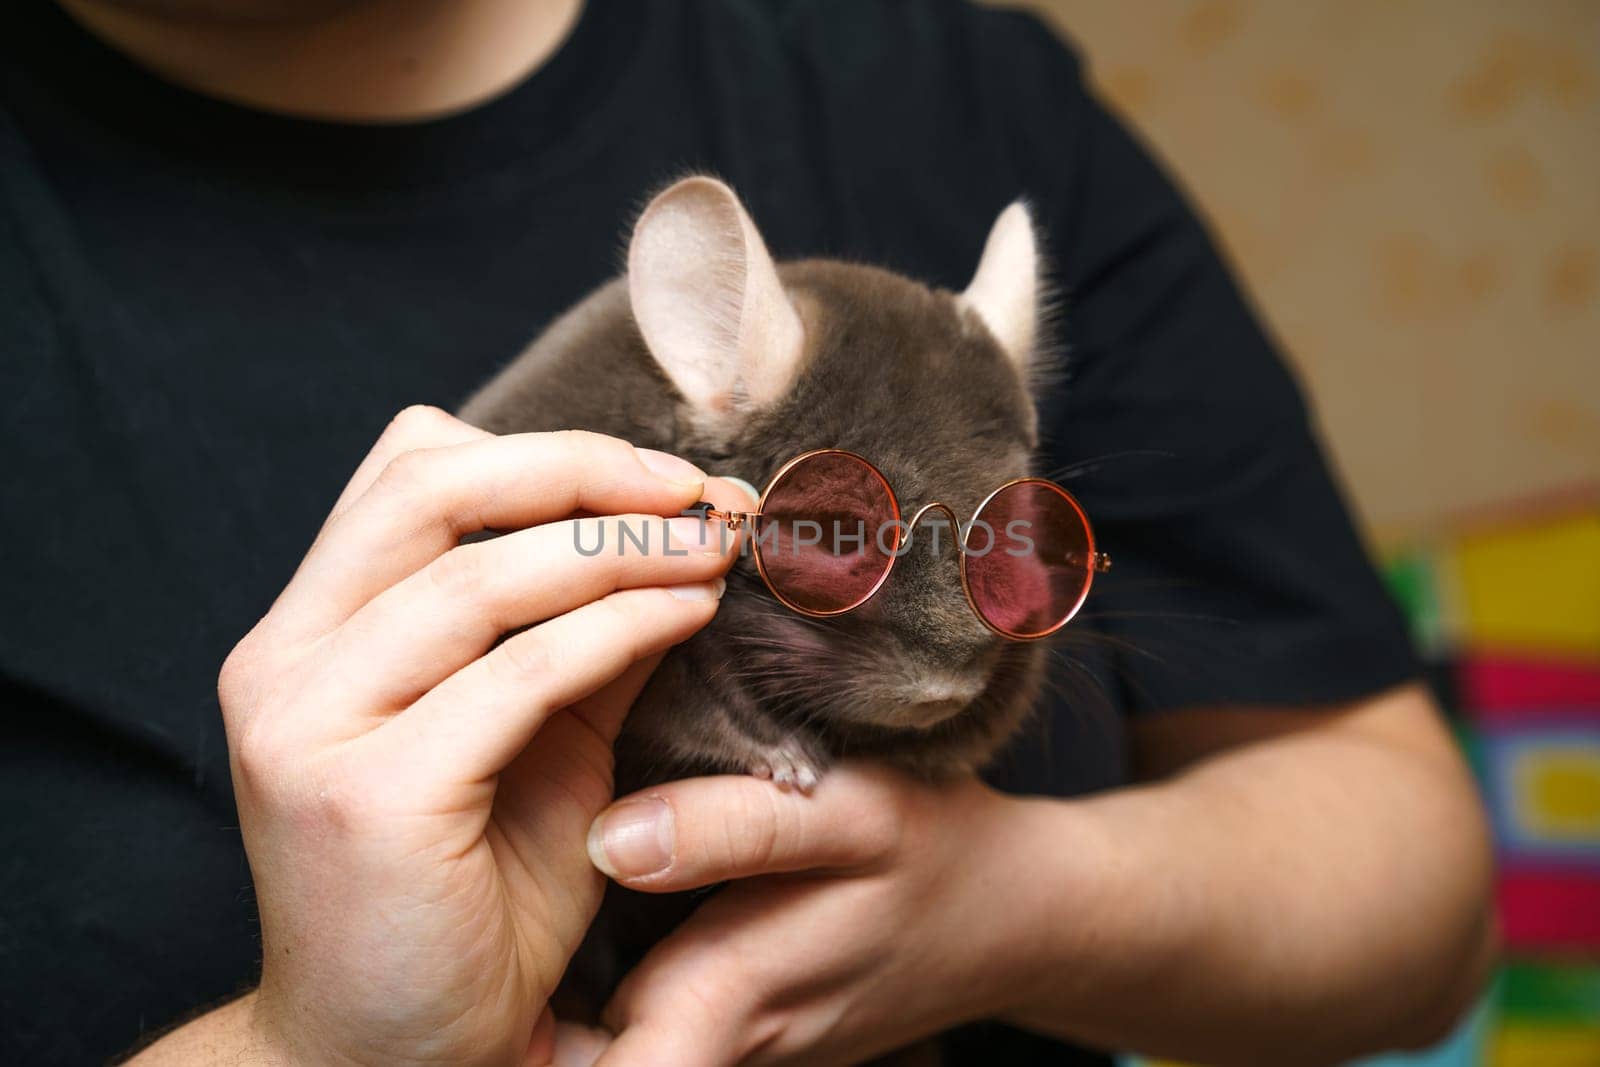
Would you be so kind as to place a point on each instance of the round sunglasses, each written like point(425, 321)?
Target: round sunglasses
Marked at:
point(827, 531)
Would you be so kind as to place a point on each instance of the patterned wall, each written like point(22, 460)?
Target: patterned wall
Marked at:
point(1507, 610)
point(1411, 191)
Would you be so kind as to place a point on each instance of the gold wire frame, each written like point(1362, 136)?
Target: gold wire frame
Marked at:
point(1096, 562)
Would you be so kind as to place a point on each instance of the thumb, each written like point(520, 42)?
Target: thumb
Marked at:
point(701, 831)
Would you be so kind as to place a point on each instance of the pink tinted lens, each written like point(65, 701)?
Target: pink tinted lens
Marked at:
point(1039, 559)
point(826, 533)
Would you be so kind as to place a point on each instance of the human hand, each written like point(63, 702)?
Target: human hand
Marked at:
point(418, 851)
point(875, 912)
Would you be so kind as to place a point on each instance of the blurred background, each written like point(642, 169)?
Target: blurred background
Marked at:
point(1411, 191)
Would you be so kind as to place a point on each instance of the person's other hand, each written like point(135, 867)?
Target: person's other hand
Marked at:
point(414, 791)
point(879, 916)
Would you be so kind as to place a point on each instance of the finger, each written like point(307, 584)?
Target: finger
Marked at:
point(543, 1041)
point(605, 709)
point(476, 721)
point(578, 1046)
point(696, 996)
point(423, 501)
point(700, 831)
point(563, 767)
point(415, 634)
point(680, 1042)
point(417, 427)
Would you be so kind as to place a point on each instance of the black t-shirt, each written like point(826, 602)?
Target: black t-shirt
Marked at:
point(208, 314)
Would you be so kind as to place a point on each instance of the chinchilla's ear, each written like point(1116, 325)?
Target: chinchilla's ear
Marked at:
point(708, 301)
point(1005, 289)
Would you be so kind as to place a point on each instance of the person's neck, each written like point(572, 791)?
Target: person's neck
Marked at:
point(389, 61)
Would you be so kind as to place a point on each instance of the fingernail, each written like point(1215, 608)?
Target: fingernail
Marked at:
point(688, 533)
point(578, 1046)
point(674, 469)
point(711, 590)
point(633, 839)
point(742, 484)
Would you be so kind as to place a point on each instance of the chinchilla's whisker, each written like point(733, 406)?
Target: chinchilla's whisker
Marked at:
point(1209, 652)
point(1094, 463)
point(1188, 616)
point(1077, 668)
point(1087, 637)
point(1125, 672)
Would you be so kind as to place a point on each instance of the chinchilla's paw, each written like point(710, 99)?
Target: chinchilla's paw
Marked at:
point(790, 763)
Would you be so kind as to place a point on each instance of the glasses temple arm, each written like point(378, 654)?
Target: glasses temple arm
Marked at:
point(731, 519)
point(1100, 563)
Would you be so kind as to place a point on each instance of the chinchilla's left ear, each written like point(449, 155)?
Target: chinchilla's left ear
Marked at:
point(1005, 289)
point(708, 302)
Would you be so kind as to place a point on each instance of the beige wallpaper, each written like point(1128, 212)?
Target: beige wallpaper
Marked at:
point(1411, 190)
